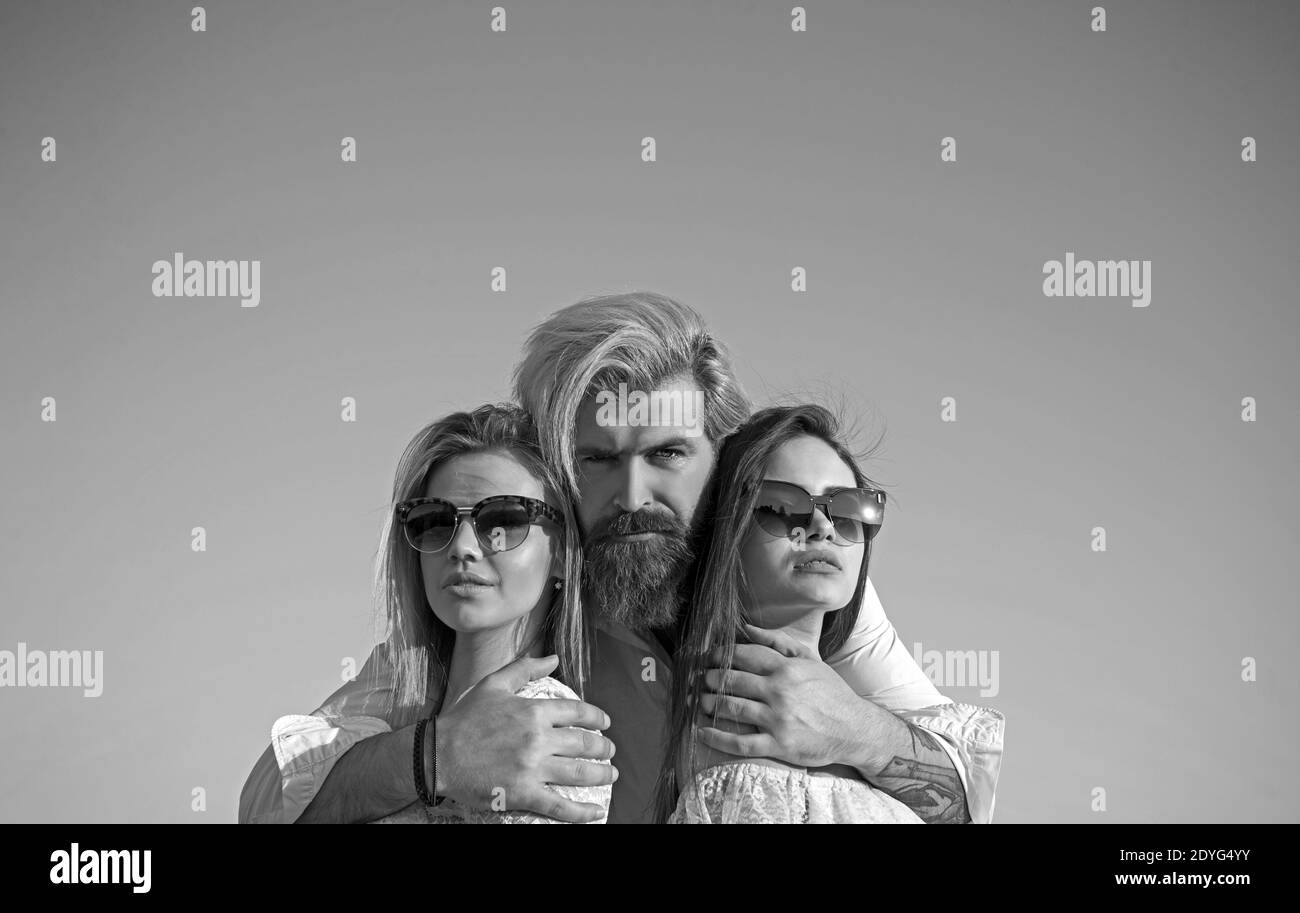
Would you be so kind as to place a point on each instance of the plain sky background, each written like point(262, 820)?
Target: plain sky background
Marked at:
point(1119, 670)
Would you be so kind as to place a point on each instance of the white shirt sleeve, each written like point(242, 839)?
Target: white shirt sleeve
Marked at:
point(304, 749)
point(877, 666)
point(972, 736)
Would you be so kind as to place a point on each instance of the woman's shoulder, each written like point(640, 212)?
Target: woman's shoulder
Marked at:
point(547, 687)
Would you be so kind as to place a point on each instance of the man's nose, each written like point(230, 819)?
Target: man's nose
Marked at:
point(633, 491)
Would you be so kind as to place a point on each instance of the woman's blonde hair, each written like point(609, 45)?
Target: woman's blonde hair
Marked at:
point(418, 643)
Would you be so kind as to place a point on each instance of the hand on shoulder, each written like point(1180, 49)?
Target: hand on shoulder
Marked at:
point(547, 687)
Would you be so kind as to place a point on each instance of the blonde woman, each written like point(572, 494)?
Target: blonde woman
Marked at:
point(473, 578)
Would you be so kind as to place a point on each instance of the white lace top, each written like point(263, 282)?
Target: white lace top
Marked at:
point(449, 812)
point(745, 792)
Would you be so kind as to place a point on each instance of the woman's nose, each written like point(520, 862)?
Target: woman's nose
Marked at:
point(820, 526)
point(465, 544)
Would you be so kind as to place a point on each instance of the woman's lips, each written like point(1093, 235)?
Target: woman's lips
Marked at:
point(816, 565)
point(464, 583)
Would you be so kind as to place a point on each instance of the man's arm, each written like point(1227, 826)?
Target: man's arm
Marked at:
point(373, 778)
point(491, 745)
point(485, 755)
point(908, 762)
point(806, 714)
point(304, 749)
point(878, 667)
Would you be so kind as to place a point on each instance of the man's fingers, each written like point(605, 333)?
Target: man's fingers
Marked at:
point(738, 709)
point(779, 641)
point(757, 658)
point(563, 712)
point(741, 684)
point(515, 675)
point(543, 666)
point(579, 743)
point(551, 804)
point(577, 772)
point(744, 746)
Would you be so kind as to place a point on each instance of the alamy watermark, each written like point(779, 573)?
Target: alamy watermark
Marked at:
point(960, 668)
point(53, 669)
point(181, 278)
point(682, 409)
point(78, 866)
point(1100, 279)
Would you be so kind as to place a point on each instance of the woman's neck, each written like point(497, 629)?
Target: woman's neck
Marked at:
point(477, 654)
point(806, 629)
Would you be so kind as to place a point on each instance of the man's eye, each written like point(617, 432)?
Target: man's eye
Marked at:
point(597, 458)
point(671, 454)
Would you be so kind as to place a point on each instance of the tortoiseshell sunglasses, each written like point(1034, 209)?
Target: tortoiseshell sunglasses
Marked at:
point(500, 522)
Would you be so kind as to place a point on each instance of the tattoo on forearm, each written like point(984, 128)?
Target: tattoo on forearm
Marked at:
point(926, 782)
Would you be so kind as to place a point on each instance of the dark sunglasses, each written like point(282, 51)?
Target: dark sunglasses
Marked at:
point(500, 522)
point(783, 507)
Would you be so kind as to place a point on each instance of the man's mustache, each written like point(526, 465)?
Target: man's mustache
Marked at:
point(640, 521)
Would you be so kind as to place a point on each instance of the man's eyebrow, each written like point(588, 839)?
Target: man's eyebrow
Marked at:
point(684, 442)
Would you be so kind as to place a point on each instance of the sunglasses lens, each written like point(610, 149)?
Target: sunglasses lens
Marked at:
point(502, 526)
point(858, 514)
point(429, 527)
point(780, 510)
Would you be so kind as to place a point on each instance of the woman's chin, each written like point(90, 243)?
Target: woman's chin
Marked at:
point(821, 591)
point(796, 605)
point(469, 618)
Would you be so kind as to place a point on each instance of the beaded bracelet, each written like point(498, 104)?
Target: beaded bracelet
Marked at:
point(433, 762)
point(417, 761)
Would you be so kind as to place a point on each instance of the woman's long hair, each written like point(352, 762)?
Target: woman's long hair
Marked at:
point(418, 643)
point(716, 612)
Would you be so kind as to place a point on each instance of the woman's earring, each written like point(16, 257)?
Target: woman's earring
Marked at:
point(559, 584)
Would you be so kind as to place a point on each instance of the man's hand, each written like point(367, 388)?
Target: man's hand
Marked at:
point(804, 712)
point(492, 740)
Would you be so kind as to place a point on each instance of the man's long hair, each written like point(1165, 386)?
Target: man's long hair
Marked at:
point(638, 338)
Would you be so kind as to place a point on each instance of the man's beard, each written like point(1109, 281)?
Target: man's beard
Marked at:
point(637, 582)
